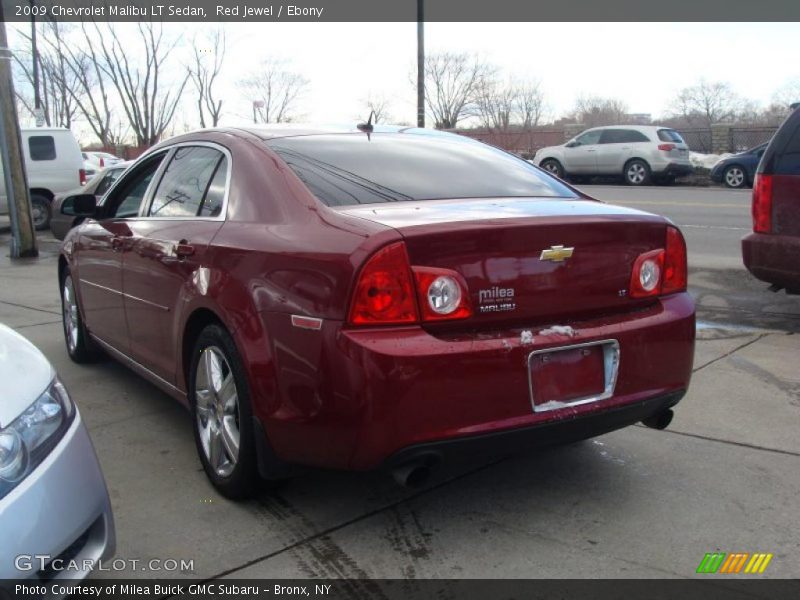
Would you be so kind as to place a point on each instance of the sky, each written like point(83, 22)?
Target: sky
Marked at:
point(644, 64)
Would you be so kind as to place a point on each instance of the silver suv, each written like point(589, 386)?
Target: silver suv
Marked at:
point(639, 153)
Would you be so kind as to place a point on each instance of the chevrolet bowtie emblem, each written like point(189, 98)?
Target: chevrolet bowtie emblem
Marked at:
point(556, 253)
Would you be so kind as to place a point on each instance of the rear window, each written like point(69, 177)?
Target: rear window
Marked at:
point(349, 169)
point(42, 147)
point(670, 135)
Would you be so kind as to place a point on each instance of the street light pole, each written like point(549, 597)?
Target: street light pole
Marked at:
point(420, 63)
point(37, 99)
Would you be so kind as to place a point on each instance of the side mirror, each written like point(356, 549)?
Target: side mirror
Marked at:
point(82, 205)
point(572, 144)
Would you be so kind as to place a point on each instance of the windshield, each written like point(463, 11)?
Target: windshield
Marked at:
point(347, 169)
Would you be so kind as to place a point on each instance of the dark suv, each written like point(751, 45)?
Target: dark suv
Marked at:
point(772, 251)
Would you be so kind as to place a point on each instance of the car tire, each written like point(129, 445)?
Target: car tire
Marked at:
point(734, 177)
point(41, 211)
point(552, 166)
point(219, 401)
point(80, 347)
point(636, 172)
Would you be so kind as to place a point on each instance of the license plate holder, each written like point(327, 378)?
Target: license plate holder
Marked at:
point(572, 375)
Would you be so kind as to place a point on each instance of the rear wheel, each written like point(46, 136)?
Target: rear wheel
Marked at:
point(734, 177)
point(551, 165)
point(40, 211)
point(220, 407)
point(637, 172)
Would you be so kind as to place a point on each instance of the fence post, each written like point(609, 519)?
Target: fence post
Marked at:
point(721, 138)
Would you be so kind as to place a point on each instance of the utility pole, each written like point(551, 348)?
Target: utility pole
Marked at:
point(420, 63)
point(23, 237)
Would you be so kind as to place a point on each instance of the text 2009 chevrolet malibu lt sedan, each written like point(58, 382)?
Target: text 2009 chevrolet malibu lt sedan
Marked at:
point(55, 515)
point(354, 299)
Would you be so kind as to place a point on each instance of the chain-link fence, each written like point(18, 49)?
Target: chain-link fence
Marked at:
point(743, 138)
point(698, 140)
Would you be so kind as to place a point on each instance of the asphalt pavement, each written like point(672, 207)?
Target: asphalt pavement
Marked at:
point(634, 503)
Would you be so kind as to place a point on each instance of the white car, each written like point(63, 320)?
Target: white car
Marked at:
point(55, 513)
point(53, 164)
point(638, 153)
point(101, 159)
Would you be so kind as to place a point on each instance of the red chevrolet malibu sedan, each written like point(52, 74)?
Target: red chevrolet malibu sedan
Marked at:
point(352, 299)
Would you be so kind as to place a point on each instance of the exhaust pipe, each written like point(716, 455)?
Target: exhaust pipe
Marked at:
point(659, 420)
point(412, 475)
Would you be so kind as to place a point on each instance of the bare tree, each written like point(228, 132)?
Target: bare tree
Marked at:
point(452, 84)
point(707, 102)
point(56, 79)
point(274, 91)
point(148, 102)
point(378, 104)
point(503, 104)
point(594, 111)
point(209, 56)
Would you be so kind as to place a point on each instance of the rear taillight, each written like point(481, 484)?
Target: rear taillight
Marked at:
point(646, 274)
point(762, 203)
point(384, 293)
point(442, 294)
point(666, 147)
point(662, 271)
point(675, 263)
point(391, 292)
point(82, 176)
point(102, 163)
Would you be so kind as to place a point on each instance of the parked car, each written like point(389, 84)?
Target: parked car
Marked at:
point(54, 506)
point(353, 300)
point(739, 170)
point(102, 159)
point(89, 168)
point(637, 153)
point(53, 164)
point(772, 252)
point(63, 215)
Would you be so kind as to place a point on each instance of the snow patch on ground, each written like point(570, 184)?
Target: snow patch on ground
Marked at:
point(706, 161)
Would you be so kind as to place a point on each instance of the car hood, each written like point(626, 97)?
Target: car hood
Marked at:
point(24, 374)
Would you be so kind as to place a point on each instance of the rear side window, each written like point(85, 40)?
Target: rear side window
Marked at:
point(787, 162)
point(670, 135)
point(622, 136)
point(185, 182)
point(347, 169)
point(42, 147)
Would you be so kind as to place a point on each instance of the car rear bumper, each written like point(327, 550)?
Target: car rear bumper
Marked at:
point(773, 258)
point(353, 398)
point(61, 511)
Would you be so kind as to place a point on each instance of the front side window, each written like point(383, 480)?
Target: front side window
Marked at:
point(110, 177)
point(126, 199)
point(185, 182)
point(589, 138)
point(42, 147)
point(347, 169)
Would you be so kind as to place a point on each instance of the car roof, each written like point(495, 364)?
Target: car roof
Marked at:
point(268, 132)
point(635, 127)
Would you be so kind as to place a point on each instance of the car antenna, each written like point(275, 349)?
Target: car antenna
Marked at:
point(367, 127)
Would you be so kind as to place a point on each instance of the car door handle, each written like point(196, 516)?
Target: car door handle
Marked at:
point(183, 249)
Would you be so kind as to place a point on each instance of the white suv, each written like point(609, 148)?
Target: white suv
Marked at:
point(640, 154)
point(53, 164)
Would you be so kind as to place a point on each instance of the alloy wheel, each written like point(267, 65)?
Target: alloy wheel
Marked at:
point(734, 177)
point(70, 308)
point(636, 173)
point(217, 407)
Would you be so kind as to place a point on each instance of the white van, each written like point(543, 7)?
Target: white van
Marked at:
point(53, 163)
